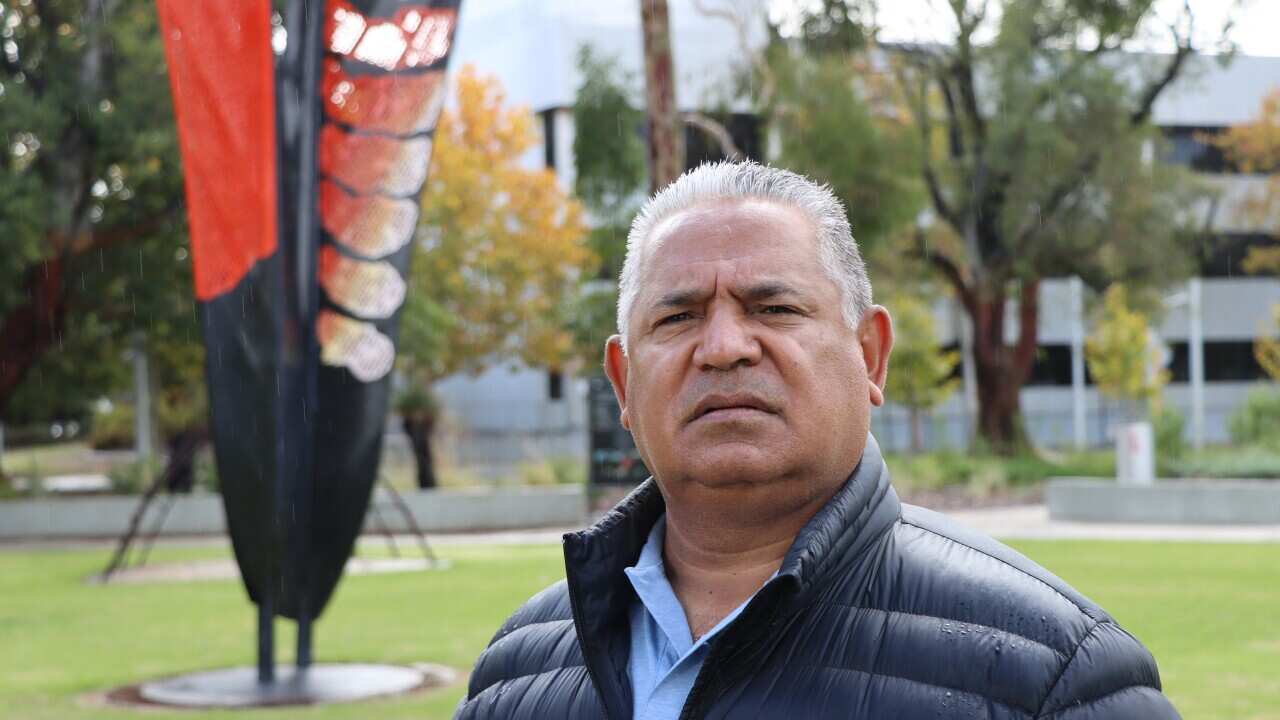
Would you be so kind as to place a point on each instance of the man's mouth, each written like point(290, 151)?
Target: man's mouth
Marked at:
point(728, 406)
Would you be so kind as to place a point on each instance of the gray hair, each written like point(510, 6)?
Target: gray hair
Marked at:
point(837, 250)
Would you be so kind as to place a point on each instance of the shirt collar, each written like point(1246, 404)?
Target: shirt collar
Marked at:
point(649, 579)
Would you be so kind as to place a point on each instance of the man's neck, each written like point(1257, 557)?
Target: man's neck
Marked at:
point(715, 567)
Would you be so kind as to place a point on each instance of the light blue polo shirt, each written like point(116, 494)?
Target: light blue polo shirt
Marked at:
point(664, 658)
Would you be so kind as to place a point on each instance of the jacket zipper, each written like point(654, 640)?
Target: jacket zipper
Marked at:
point(701, 684)
point(576, 611)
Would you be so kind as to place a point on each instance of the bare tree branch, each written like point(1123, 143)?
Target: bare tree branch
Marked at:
point(1088, 164)
point(918, 106)
point(741, 29)
point(940, 204)
point(1153, 91)
point(949, 269)
point(961, 69)
point(716, 131)
point(955, 131)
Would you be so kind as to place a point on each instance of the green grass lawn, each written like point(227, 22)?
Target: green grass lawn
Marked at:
point(1208, 613)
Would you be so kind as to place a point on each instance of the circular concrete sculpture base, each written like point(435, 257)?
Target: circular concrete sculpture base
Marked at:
point(239, 687)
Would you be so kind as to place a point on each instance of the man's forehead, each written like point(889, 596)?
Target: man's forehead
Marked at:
point(759, 243)
point(724, 219)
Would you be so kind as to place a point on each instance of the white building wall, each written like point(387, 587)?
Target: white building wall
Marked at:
point(531, 46)
point(497, 420)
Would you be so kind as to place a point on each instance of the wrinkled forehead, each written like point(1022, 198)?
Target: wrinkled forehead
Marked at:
point(719, 229)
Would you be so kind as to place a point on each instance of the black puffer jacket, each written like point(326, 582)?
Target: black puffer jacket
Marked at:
point(884, 610)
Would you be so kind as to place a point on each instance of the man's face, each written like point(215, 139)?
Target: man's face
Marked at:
point(741, 375)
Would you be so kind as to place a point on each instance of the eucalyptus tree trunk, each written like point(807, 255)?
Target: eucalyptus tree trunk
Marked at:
point(419, 426)
point(666, 139)
point(1003, 369)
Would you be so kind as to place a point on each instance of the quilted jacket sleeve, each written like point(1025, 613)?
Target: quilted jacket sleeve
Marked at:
point(1109, 677)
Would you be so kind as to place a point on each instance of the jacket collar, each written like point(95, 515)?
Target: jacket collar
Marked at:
point(862, 510)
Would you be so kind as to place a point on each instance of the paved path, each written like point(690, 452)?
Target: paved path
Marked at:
point(1031, 522)
point(1020, 522)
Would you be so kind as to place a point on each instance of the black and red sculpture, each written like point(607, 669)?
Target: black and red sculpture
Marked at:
point(302, 175)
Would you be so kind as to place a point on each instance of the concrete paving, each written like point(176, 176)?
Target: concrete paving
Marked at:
point(1018, 522)
point(1031, 522)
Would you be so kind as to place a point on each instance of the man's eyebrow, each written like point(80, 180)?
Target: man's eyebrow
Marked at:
point(752, 293)
point(768, 290)
point(678, 298)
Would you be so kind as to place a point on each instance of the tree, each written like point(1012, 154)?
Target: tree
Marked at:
point(90, 195)
point(1266, 349)
point(1123, 360)
point(830, 130)
point(609, 180)
point(609, 155)
point(666, 131)
point(90, 214)
point(921, 377)
point(1033, 153)
point(1255, 148)
point(500, 249)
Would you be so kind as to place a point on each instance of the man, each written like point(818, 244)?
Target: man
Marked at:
point(768, 570)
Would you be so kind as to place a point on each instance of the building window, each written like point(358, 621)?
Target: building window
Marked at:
point(549, 138)
point(555, 385)
point(1052, 367)
point(1193, 147)
point(1223, 255)
point(1224, 361)
point(699, 147)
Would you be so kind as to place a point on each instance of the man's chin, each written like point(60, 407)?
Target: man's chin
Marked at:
point(734, 464)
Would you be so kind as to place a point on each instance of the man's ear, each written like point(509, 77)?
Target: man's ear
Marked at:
point(875, 336)
point(615, 367)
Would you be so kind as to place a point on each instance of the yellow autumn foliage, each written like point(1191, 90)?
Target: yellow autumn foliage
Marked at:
point(920, 377)
point(1121, 359)
point(1266, 349)
point(501, 246)
point(1255, 148)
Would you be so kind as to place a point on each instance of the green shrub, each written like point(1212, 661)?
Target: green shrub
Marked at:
point(1235, 462)
point(135, 477)
point(569, 470)
point(983, 472)
point(455, 477)
point(206, 471)
point(1027, 469)
point(560, 470)
point(1257, 420)
point(1168, 425)
point(113, 430)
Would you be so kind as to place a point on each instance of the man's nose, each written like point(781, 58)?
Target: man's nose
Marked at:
point(726, 342)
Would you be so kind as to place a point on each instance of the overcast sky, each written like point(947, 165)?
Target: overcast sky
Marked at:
point(1256, 30)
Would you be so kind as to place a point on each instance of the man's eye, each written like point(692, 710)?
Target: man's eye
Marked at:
point(674, 318)
point(778, 309)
